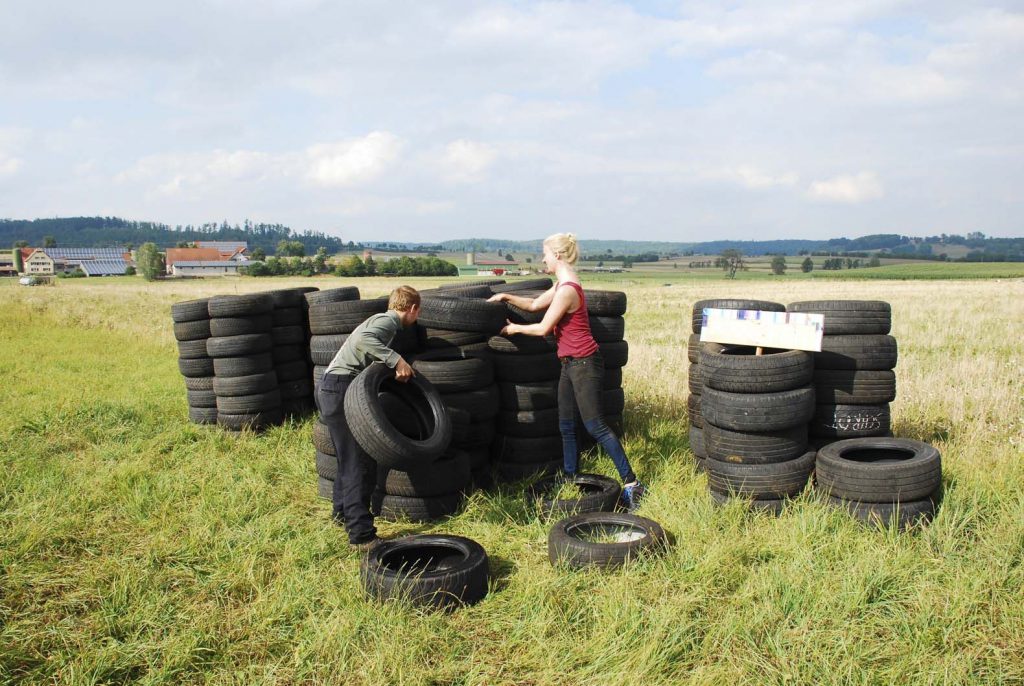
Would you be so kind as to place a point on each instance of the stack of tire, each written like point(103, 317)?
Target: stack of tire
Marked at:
point(191, 330)
point(245, 382)
point(290, 354)
point(694, 349)
point(755, 409)
point(332, 315)
point(528, 440)
point(459, 364)
point(853, 378)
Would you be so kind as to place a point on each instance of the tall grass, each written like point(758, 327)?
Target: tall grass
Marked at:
point(137, 547)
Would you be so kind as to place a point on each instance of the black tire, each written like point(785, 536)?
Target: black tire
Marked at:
point(196, 367)
point(844, 317)
point(738, 369)
point(190, 310)
point(605, 303)
point(285, 354)
point(448, 475)
point(525, 285)
point(192, 350)
point(288, 335)
point(451, 371)
point(205, 399)
point(326, 466)
point(318, 373)
point(243, 366)
point(613, 402)
point(407, 340)
point(202, 415)
point(693, 410)
point(444, 339)
point(344, 316)
point(239, 326)
point(760, 481)
point(246, 305)
point(615, 353)
point(298, 407)
point(431, 571)
point(374, 431)
point(295, 389)
point(322, 438)
point(245, 385)
point(520, 344)
point(396, 507)
point(249, 404)
point(695, 379)
point(199, 383)
point(252, 421)
point(287, 298)
point(612, 378)
point(879, 470)
point(697, 313)
point(324, 488)
point(481, 404)
point(697, 445)
point(526, 368)
point(472, 283)
point(528, 423)
point(539, 395)
point(508, 472)
point(466, 291)
point(857, 352)
point(772, 506)
point(292, 371)
point(239, 346)
point(518, 315)
point(854, 387)
point(850, 421)
point(289, 316)
point(192, 331)
point(694, 347)
point(757, 411)
point(605, 329)
point(600, 494)
point(903, 515)
point(322, 349)
point(746, 447)
point(568, 542)
point(473, 435)
point(462, 314)
point(516, 450)
point(332, 295)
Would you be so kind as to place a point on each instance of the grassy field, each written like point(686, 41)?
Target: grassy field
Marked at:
point(137, 547)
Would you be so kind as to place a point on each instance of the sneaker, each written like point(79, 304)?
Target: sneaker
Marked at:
point(632, 494)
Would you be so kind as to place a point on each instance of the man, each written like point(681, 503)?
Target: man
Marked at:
point(357, 472)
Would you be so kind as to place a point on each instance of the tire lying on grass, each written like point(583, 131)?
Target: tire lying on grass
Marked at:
point(597, 494)
point(419, 509)
point(760, 481)
point(432, 571)
point(603, 539)
point(773, 506)
point(377, 434)
point(902, 515)
point(879, 470)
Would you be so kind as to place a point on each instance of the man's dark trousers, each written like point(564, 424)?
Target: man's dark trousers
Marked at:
point(357, 472)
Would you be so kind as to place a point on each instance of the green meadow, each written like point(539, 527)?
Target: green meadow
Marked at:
point(136, 547)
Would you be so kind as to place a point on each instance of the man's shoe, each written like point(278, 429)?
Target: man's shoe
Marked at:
point(365, 546)
point(632, 494)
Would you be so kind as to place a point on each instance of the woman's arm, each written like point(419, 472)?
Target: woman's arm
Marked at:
point(529, 304)
point(562, 301)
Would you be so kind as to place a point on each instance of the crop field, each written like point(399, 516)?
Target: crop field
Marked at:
point(136, 547)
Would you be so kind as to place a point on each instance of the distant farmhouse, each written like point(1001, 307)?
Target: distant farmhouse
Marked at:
point(488, 266)
point(50, 261)
point(208, 258)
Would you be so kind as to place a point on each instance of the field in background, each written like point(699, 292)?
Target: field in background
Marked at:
point(135, 546)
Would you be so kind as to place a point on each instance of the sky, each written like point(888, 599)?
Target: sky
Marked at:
point(426, 121)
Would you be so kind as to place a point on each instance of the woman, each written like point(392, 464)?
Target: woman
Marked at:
point(582, 364)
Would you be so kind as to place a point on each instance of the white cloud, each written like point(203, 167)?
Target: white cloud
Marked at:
point(353, 161)
point(170, 174)
point(848, 189)
point(466, 161)
point(9, 164)
point(751, 177)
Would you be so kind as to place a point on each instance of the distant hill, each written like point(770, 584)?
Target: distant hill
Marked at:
point(112, 231)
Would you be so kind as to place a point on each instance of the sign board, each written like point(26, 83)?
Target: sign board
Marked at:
point(785, 330)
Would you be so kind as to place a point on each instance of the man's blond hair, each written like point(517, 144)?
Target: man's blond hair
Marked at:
point(403, 299)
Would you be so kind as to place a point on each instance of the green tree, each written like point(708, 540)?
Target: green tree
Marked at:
point(807, 266)
point(150, 261)
point(49, 242)
point(732, 261)
point(258, 254)
point(510, 257)
point(874, 262)
point(371, 266)
point(20, 244)
point(779, 265)
point(19, 262)
point(286, 248)
point(129, 271)
point(320, 260)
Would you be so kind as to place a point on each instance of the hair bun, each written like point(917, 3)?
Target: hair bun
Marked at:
point(571, 237)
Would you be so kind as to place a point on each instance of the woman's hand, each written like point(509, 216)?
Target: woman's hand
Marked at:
point(498, 298)
point(509, 329)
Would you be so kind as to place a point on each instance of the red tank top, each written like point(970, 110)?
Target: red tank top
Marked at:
point(572, 332)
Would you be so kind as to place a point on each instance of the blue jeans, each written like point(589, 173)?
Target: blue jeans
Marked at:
point(580, 386)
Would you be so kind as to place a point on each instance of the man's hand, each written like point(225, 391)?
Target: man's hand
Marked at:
point(403, 372)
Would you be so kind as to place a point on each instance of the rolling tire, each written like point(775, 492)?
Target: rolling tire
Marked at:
point(877, 352)
point(600, 494)
point(242, 366)
point(433, 571)
point(850, 421)
point(854, 387)
point(745, 447)
point(246, 305)
point(190, 310)
point(332, 295)
point(879, 470)
point(397, 507)
point(697, 313)
point(760, 481)
point(844, 317)
point(238, 326)
point(738, 369)
point(374, 431)
point(757, 411)
point(344, 316)
point(568, 544)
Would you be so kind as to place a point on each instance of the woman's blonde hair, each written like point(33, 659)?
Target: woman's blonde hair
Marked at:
point(564, 246)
